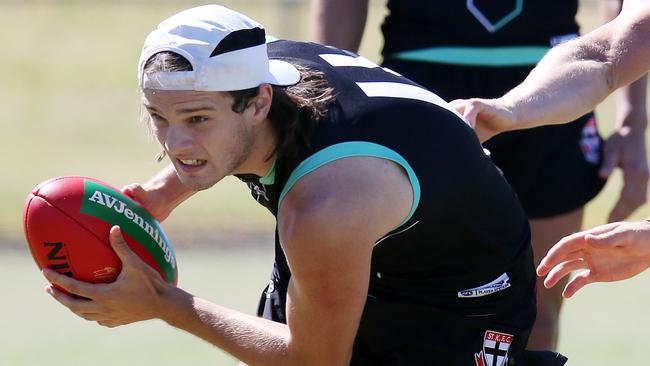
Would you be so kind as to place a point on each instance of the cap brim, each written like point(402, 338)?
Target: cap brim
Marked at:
point(282, 73)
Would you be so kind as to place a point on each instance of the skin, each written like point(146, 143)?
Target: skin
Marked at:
point(332, 210)
point(611, 252)
point(341, 23)
point(569, 81)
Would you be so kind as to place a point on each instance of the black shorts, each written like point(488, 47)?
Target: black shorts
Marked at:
point(394, 332)
point(553, 169)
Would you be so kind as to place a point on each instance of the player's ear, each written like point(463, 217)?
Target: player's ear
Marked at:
point(261, 104)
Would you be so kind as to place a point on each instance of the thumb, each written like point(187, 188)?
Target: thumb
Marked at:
point(120, 246)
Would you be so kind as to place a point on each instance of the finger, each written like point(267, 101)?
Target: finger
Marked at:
point(458, 105)
point(69, 284)
point(610, 161)
point(561, 250)
point(134, 191)
point(75, 304)
point(561, 270)
point(108, 323)
point(579, 281)
point(471, 111)
point(571, 256)
point(119, 245)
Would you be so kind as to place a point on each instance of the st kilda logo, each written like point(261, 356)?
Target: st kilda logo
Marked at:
point(57, 258)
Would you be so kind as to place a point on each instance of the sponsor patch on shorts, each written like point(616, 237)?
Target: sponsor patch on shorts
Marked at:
point(590, 142)
point(497, 285)
point(495, 349)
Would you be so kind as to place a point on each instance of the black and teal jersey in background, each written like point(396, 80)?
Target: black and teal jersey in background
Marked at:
point(420, 24)
point(484, 48)
point(460, 264)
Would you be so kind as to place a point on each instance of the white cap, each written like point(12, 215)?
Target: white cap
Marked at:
point(227, 51)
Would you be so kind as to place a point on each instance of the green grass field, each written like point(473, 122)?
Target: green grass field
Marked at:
point(70, 106)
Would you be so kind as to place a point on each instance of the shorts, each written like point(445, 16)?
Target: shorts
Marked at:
point(395, 332)
point(553, 169)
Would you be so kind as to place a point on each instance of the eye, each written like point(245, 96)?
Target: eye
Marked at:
point(157, 121)
point(155, 117)
point(198, 119)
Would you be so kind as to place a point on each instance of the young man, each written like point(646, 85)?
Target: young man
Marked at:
point(463, 49)
point(397, 242)
point(570, 80)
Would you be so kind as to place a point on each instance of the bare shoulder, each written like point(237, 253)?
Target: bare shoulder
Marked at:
point(363, 197)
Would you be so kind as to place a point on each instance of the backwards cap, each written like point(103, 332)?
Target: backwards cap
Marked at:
point(227, 51)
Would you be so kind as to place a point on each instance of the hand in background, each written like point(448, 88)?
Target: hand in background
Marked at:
point(606, 253)
point(488, 116)
point(626, 149)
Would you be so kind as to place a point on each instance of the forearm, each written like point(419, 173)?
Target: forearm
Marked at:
point(167, 183)
point(630, 99)
point(339, 23)
point(567, 83)
point(574, 77)
point(252, 340)
point(631, 102)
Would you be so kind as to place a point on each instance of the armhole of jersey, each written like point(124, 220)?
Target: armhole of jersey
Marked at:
point(349, 149)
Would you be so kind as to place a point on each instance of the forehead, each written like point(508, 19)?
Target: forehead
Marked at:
point(170, 100)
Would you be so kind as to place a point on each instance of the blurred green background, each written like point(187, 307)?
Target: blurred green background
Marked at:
point(70, 106)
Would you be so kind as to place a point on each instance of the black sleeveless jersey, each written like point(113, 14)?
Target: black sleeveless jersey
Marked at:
point(418, 24)
point(466, 227)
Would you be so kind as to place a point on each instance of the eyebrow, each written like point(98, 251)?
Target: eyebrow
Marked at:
point(184, 110)
point(197, 109)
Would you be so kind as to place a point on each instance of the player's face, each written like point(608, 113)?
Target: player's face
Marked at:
point(203, 137)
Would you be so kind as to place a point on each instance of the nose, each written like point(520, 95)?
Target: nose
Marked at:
point(177, 140)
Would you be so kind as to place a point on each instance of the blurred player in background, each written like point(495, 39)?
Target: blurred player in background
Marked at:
point(483, 49)
point(387, 250)
point(570, 80)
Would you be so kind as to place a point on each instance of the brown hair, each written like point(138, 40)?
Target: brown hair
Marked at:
point(295, 109)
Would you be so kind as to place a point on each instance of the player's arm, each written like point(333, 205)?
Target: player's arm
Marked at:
point(329, 222)
point(572, 78)
point(625, 148)
point(339, 23)
point(161, 194)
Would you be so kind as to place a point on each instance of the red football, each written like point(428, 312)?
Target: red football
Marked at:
point(67, 222)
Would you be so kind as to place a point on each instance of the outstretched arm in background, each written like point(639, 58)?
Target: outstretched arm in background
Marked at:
point(626, 148)
point(607, 253)
point(339, 23)
point(572, 78)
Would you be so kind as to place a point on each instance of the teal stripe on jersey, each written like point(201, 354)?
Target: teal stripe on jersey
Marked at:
point(477, 56)
point(348, 149)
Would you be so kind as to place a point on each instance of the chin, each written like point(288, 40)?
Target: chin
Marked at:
point(197, 184)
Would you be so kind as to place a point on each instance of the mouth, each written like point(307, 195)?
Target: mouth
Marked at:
point(191, 164)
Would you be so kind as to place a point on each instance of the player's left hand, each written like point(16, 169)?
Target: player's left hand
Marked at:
point(134, 296)
point(610, 252)
point(626, 149)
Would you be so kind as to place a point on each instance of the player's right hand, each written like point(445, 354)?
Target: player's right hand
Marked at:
point(150, 199)
point(488, 116)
